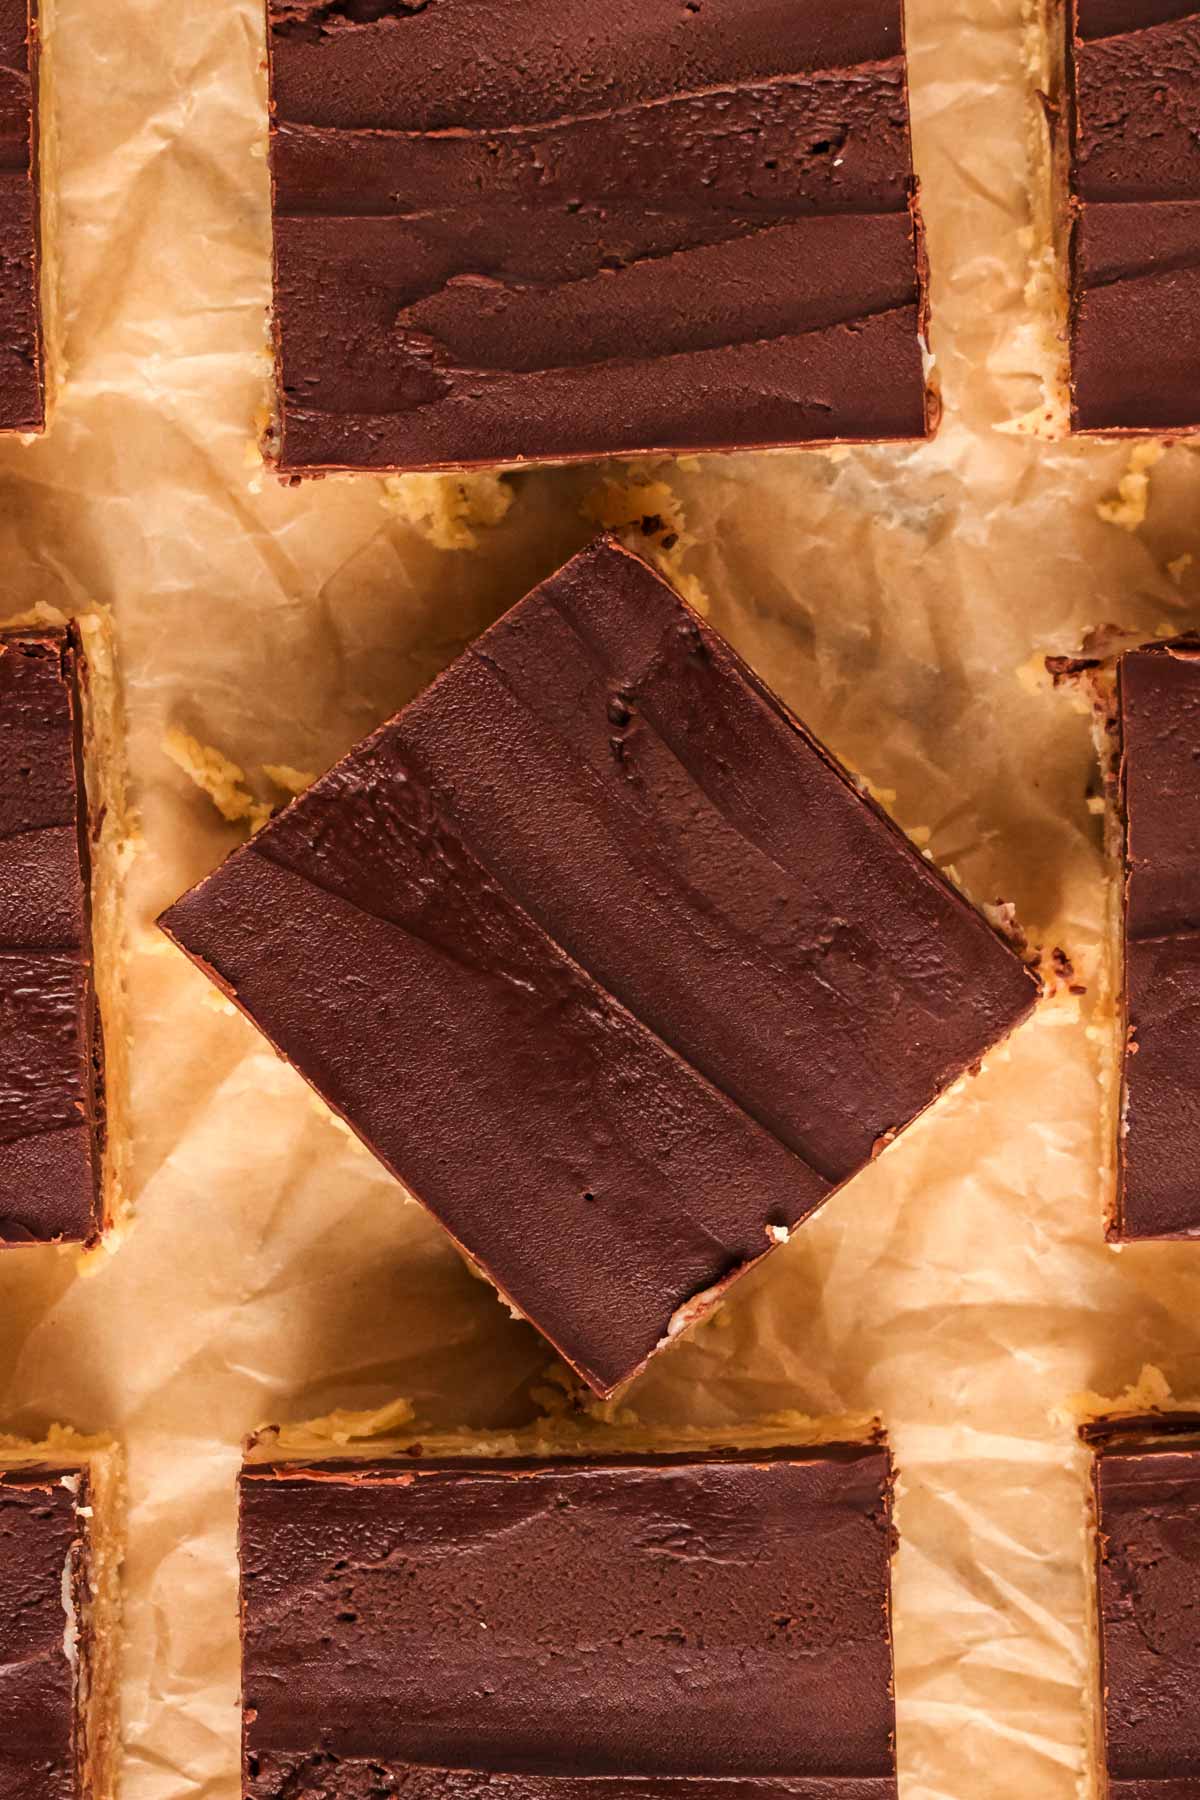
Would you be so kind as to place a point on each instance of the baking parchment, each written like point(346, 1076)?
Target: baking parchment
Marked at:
point(898, 598)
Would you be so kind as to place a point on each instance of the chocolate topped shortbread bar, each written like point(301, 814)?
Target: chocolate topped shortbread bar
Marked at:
point(548, 230)
point(1146, 1488)
point(57, 1571)
point(1158, 725)
point(1131, 162)
point(52, 1077)
point(607, 959)
point(22, 393)
point(636, 1627)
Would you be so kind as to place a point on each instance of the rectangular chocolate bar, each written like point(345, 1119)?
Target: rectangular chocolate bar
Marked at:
point(551, 230)
point(1132, 174)
point(54, 1678)
point(629, 1627)
point(52, 1092)
point(607, 959)
point(1146, 1486)
point(22, 391)
point(1158, 722)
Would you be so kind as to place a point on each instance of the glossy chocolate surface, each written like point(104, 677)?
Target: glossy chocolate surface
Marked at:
point(51, 1059)
point(1158, 717)
point(1134, 151)
point(635, 1628)
point(549, 230)
point(22, 403)
point(606, 958)
point(43, 1565)
point(1147, 1496)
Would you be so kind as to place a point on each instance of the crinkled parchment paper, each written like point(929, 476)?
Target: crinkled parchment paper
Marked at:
point(899, 599)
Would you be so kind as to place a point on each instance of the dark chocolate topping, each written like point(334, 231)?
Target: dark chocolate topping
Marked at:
point(43, 1562)
point(1148, 1514)
point(600, 785)
point(1158, 715)
point(51, 1091)
point(322, 1775)
point(544, 231)
point(631, 784)
point(714, 1619)
point(22, 406)
point(1135, 244)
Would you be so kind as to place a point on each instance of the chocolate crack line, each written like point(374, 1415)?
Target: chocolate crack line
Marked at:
point(9, 1138)
point(1175, 265)
point(1175, 935)
point(752, 84)
point(1084, 39)
point(579, 975)
point(17, 1663)
point(766, 215)
point(76, 954)
point(503, 377)
point(1141, 202)
point(24, 831)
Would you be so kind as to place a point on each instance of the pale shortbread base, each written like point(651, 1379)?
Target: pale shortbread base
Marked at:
point(96, 1685)
point(113, 849)
point(1044, 55)
point(602, 1430)
point(1094, 691)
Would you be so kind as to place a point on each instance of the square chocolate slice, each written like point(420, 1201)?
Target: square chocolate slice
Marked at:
point(549, 230)
point(1132, 161)
point(622, 1628)
point(52, 1090)
point(607, 959)
point(55, 1688)
point(22, 395)
point(1146, 1485)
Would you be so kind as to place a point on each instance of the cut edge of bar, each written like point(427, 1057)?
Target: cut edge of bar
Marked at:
point(52, 322)
point(601, 1429)
point(113, 837)
point(1045, 27)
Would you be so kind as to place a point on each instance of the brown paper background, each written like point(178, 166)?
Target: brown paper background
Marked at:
point(961, 1286)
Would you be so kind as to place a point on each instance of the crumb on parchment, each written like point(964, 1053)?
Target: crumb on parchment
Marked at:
point(291, 781)
point(217, 776)
point(1128, 507)
point(448, 509)
point(647, 515)
point(224, 781)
